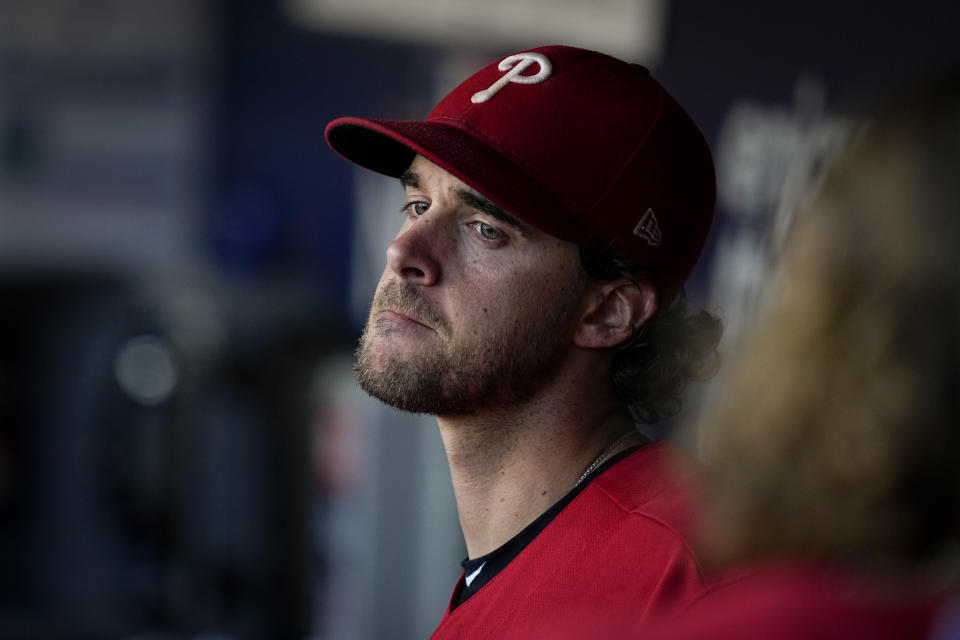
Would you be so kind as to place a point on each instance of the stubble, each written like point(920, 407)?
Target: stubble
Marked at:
point(503, 365)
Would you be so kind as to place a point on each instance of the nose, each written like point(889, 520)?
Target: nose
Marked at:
point(413, 253)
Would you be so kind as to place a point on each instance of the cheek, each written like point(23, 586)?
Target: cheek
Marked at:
point(522, 302)
point(503, 291)
point(385, 276)
point(381, 283)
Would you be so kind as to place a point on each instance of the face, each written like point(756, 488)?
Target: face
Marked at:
point(474, 309)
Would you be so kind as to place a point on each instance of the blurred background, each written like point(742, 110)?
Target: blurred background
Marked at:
point(185, 266)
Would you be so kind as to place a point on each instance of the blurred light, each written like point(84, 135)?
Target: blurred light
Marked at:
point(630, 29)
point(145, 369)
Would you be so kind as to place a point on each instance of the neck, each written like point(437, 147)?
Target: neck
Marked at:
point(508, 466)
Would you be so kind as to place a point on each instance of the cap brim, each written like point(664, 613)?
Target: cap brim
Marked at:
point(389, 146)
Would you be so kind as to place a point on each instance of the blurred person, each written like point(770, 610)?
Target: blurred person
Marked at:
point(835, 449)
point(556, 201)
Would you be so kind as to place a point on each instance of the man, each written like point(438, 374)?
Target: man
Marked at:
point(555, 203)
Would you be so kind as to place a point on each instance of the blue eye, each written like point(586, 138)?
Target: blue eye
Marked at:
point(486, 231)
point(415, 209)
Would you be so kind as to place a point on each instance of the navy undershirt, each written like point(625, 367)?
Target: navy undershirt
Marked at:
point(495, 561)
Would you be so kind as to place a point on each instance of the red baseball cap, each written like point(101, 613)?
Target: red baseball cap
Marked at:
point(580, 145)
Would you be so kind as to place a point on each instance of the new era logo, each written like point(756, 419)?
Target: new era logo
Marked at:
point(649, 229)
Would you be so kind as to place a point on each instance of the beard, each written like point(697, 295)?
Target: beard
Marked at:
point(505, 366)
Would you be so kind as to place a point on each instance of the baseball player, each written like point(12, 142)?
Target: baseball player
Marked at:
point(556, 201)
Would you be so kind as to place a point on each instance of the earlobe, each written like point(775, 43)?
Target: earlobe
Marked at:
point(618, 310)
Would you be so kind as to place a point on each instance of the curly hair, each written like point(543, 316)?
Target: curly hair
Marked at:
point(652, 367)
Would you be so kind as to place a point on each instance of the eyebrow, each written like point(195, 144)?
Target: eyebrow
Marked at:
point(490, 208)
point(411, 179)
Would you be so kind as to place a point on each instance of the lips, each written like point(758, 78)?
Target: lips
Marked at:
point(406, 304)
point(404, 316)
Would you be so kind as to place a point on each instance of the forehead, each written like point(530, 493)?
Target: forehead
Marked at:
point(426, 174)
point(428, 170)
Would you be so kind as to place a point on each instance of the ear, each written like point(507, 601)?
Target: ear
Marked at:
point(616, 310)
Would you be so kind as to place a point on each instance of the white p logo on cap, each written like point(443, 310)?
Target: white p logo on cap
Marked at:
point(515, 65)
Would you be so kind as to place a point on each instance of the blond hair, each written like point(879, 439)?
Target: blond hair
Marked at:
point(838, 432)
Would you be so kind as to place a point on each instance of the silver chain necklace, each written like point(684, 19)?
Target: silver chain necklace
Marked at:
point(603, 454)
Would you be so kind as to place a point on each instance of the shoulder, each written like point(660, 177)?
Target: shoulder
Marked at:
point(616, 556)
point(642, 513)
point(652, 485)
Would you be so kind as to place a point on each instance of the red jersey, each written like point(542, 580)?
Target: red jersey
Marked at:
point(615, 556)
